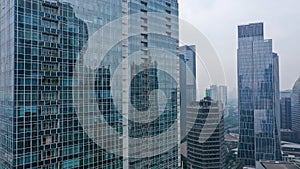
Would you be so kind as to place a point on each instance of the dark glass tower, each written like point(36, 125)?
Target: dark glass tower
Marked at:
point(205, 140)
point(285, 110)
point(258, 87)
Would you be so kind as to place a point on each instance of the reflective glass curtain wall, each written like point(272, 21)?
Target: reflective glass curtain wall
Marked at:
point(295, 104)
point(41, 41)
point(258, 87)
point(7, 40)
point(285, 110)
point(187, 56)
point(156, 47)
point(42, 44)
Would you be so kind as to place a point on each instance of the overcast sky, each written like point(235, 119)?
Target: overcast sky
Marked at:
point(218, 20)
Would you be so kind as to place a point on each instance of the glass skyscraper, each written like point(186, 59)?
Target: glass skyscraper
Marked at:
point(187, 55)
point(218, 93)
point(188, 62)
point(41, 41)
point(50, 99)
point(295, 103)
point(258, 91)
point(205, 140)
point(285, 110)
point(154, 74)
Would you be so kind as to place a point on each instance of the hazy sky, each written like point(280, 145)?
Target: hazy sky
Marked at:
point(218, 20)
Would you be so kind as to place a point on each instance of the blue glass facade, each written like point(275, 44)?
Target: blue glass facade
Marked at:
point(42, 43)
point(7, 40)
point(43, 130)
point(285, 110)
point(258, 87)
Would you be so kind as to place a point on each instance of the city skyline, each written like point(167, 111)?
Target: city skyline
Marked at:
point(207, 16)
point(148, 84)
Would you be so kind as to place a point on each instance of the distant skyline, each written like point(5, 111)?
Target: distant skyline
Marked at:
point(218, 21)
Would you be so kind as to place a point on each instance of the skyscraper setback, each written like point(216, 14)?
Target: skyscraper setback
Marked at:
point(258, 93)
point(53, 92)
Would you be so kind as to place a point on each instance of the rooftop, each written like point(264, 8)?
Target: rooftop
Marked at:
point(289, 144)
point(231, 137)
point(278, 165)
point(297, 85)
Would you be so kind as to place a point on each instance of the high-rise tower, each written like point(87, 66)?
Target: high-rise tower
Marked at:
point(218, 93)
point(295, 102)
point(258, 91)
point(205, 140)
point(41, 41)
point(285, 110)
point(56, 96)
point(187, 55)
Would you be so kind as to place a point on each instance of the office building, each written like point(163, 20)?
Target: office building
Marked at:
point(218, 93)
point(295, 101)
point(40, 43)
point(213, 92)
point(223, 95)
point(285, 110)
point(187, 55)
point(276, 165)
point(153, 69)
point(233, 93)
point(258, 92)
point(291, 152)
point(286, 94)
point(50, 100)
point(289, 135)
point(205, 141)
